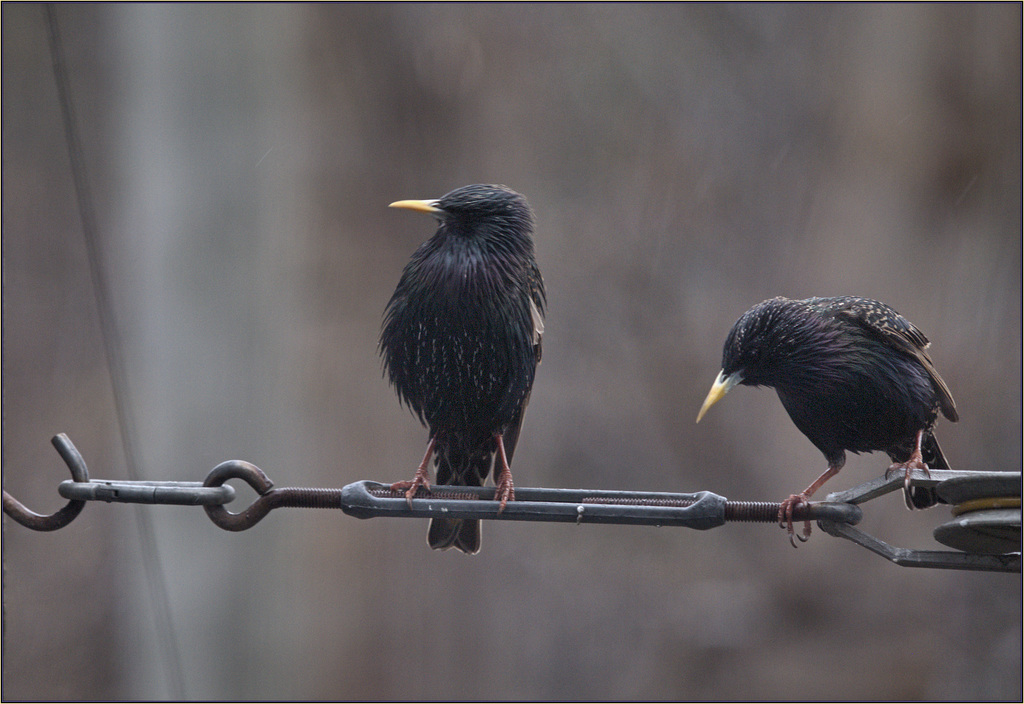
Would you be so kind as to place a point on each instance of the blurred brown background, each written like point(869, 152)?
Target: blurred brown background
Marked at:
point(684, 163)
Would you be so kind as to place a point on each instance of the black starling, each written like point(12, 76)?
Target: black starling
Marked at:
point(461, 341)
point(852, 373)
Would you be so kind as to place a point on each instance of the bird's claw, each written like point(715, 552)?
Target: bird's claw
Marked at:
point(504, 493)
point(786, 519)
point(907, 498)
point(411, 487)
point(908, 467)
point(803, 536)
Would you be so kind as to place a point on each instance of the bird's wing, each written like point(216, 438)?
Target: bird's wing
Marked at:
point(899, 333)
point(537, 302)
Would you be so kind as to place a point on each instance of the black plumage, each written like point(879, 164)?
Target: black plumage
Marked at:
point(853, 374)
point(461, 341)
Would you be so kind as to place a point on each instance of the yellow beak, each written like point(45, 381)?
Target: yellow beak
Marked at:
point(719, 389)
point(423, 206)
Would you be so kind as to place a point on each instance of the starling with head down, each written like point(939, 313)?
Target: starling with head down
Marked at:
point(852, 373)
point(461, 341)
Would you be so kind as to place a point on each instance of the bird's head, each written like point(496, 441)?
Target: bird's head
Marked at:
point(476, 210)
point(749, 352)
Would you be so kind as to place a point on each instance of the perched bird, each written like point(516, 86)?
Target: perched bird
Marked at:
point(461, 341)
point(852, 373)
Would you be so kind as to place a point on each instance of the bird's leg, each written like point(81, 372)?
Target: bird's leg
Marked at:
point(915, 461)
point(504, 491)
point(787, 506)
point(420, 479)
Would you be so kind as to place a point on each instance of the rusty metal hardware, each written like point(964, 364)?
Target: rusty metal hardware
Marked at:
point(837, 515)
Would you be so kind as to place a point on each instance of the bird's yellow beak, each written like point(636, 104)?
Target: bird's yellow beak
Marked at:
point(423, 206)
point(719, 389)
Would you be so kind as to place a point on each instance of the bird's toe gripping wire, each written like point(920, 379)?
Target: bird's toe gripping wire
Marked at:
point(505, 490)
point(786, 518)
point(787, 507)
point(420, 479)
point(915, 461)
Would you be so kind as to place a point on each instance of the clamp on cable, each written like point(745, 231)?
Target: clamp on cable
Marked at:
point(985, 529)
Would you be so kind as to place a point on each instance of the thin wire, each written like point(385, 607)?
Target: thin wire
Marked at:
point(115, 363)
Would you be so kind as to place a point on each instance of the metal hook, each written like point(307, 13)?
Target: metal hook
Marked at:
point(79, 473)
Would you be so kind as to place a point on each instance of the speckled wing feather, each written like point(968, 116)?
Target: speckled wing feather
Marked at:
point(896, 331)
point(537, 302)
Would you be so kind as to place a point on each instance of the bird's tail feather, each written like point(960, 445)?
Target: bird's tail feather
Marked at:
point(461, 533)
point(459, 465)
point(932, 453)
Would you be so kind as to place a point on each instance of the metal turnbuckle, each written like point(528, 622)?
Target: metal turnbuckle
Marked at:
point(368, 499)
point(985, 528)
